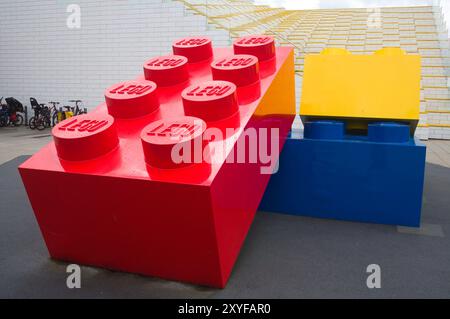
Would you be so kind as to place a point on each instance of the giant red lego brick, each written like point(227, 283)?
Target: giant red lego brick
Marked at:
point(160, 179)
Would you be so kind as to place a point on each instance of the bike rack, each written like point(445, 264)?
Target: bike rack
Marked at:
point(25, 120)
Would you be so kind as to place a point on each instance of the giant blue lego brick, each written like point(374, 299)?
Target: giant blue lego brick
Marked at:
point(377, 178)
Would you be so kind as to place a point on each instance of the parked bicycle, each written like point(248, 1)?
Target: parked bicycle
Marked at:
point(77, 109)
point(42, 115)
point(57, 114)
point(9, 112)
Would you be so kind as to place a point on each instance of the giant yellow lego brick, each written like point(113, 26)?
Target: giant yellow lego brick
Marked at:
point(361, 88)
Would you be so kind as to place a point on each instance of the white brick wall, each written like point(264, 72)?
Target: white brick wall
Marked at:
point(41, 57)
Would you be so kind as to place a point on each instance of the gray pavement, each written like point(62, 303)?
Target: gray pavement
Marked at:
point(283, 256)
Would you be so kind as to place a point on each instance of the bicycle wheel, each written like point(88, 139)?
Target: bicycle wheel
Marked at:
point(40, 124)
point(32, 122)
point(55, 119)
point(3, 120)
point(18, 121)
point(47, 122)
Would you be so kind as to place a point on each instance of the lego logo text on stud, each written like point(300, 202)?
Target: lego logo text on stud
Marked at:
point(195, 49)
point(131, 99)
point(166, 70)
point(211, 100)
point(261, 46)
point(240, 69)
point(235, 61)
point(85, 137)
point(163, 138)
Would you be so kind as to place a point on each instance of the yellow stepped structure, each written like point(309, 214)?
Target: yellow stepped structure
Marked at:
point(417, 30)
